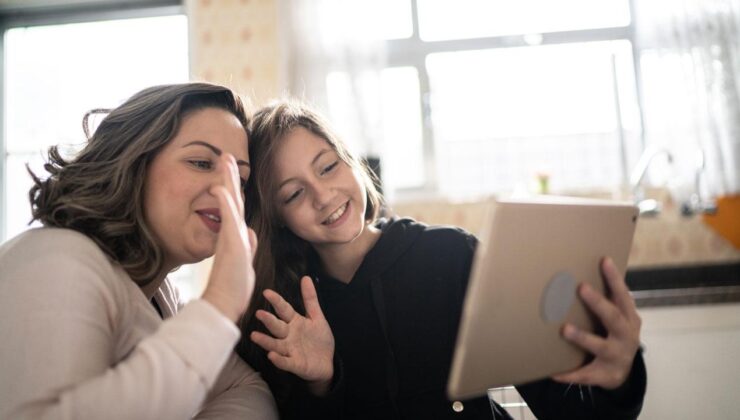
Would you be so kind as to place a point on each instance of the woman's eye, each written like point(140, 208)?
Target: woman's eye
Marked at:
point(201, 164)
point(330, 167)
point(293, 196)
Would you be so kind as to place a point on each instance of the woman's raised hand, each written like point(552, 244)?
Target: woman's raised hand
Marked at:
point(231, 283)
point(301, 345)
point(613, 354)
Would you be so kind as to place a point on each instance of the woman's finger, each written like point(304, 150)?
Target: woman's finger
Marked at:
point(311, 299)
point(277, 328)
point(284, 310)
point(230, 219)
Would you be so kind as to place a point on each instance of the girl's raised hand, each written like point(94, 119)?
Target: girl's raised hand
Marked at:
point(613, 354)
point(231, 283)
point(301, 345)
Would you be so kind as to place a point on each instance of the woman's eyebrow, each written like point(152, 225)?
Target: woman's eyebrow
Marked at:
point(215, 150)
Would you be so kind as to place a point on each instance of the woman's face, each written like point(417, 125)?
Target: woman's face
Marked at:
point(319, 197)
point(179, 209)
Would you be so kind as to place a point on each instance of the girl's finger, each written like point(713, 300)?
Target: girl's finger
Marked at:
point(611, 317)
point(311, 299)
point(282, 362)
point(586, 375)
point(618, 289)
point(277, 328)
point(591, 343)
point(282, 307)
point(265, 341)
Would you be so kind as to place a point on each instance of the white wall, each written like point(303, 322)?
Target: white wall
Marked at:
point(693, 362)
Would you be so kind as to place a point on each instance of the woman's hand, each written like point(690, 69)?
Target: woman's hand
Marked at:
point(231, 283)
point(613, 354)
point(301, 345)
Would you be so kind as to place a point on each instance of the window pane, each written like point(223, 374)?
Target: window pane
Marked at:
point(54, 74)
point(403, 155)
point(366, 19)
point(379, 114)
point(442, 19)
point(502, 116)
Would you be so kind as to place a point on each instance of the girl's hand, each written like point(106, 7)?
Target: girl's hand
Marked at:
point(231, 283)
point(614, 353)
point(301, 345)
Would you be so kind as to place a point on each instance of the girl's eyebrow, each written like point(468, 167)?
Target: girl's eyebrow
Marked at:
point(216, 151)
point(313, 162)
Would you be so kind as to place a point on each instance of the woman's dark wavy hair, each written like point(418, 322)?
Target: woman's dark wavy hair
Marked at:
point(100, 192)
point(282, 258)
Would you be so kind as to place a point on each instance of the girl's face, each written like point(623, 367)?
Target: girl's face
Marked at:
point(319, 197)
point(178, 207)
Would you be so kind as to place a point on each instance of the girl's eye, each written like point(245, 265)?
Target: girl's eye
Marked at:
point(243, 183)
point(201, 164)
point(293, 196)
point(330, 167)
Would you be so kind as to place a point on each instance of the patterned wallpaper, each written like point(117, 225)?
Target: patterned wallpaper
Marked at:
point(235, 43)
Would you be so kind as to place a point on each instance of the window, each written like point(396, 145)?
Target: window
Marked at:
point(55, 73)
point(486, 96)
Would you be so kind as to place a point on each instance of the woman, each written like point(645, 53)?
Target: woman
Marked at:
point(90, 324)
point(371, 334)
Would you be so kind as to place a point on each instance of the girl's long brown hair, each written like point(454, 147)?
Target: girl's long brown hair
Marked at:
point(282, 258)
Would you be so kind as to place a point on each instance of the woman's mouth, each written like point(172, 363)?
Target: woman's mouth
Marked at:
point(337, 215)
point(211, 218)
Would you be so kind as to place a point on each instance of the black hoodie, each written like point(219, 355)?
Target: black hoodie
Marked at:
point(395, 325)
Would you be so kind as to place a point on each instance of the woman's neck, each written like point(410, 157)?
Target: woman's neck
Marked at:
point(341, 261)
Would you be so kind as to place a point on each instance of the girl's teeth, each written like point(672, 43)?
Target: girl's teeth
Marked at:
point(213, 217)
point(336, 215)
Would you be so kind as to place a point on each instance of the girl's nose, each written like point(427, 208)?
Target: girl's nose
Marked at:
point(322, 195)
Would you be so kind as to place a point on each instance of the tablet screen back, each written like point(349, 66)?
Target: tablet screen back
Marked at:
point(522, 288)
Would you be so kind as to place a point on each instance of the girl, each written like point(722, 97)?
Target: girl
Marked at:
point(370, 333)
point(91, 326)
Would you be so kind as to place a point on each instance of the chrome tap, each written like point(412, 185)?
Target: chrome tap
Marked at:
point(697, 204)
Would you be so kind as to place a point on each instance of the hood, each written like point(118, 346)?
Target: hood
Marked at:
point(399, 234)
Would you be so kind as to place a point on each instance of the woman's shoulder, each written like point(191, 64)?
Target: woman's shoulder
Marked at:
point(40, 241)
point(55, 252)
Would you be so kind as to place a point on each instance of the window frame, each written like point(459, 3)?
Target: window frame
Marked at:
point(412, 52)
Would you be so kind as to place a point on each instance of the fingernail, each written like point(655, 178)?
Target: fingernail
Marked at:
point(569, 331)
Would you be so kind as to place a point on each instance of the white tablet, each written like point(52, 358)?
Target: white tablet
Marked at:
point(522, 289)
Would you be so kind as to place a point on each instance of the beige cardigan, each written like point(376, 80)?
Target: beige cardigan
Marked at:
point(79, 340)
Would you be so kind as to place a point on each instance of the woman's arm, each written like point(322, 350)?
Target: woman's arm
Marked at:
point(66, 315)
point(239, 393)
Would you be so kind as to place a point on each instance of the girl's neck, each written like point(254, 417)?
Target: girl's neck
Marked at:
point(341, 261)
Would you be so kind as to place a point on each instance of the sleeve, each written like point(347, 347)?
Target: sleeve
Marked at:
point(552, 400)
point(61, 307)
point(239, 393)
